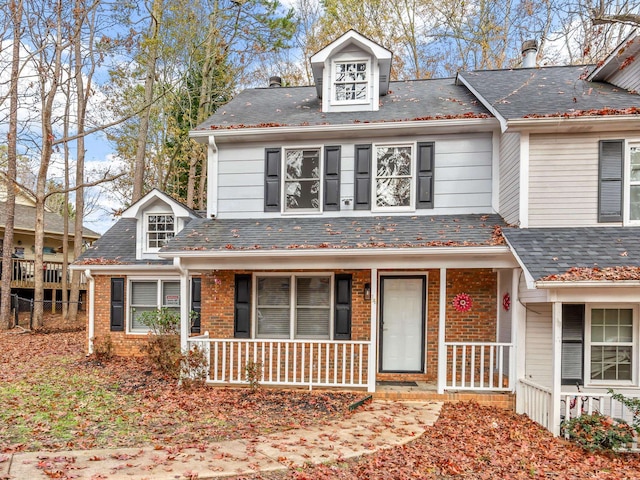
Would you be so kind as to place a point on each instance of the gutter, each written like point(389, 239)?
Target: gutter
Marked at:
point(612, 122)
point(588, 284)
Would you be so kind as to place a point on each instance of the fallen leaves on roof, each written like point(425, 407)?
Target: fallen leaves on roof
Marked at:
point(589, 113)
point(576, 274)
point(101, 261)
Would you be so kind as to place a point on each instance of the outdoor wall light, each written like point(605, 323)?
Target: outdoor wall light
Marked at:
point(367, 291)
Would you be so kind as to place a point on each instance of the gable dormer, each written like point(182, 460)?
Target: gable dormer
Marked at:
point(159, 218)
point(351, 73)
point(622, 67)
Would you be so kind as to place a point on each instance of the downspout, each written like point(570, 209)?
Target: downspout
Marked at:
point(184, 304)
point(91, 319)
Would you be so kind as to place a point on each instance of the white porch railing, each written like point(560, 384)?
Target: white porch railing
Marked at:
point(309, 363)
point(480, 366)
point(536, 402)
point(576, 404)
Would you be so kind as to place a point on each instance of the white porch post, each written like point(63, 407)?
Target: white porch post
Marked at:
point(556, 359)
point(185, 302)
point(442, 320)
point(518, 338)
point(373, 349)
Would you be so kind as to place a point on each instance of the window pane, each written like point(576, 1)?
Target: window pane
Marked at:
point(634, 155)
point(273, 322)
point(312, 322)
point(144, 293)
point(634, 193)
point(313, 291)
point(136, 312)
point(392, 192)
point(393, 161)
point(273, 291)
point(170, 294)
point(160, 229)
point(610, 363)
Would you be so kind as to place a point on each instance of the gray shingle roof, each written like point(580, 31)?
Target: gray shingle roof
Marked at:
point(337, 232)
point(554, 251)
point(547, 91)
point(25, 219)
point(411, 100)
point(117, 245)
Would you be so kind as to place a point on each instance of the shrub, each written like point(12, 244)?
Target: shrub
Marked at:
point(103, 348)
point(194, 366)
point(598, 432)
point(161, 322)
point(164, 352)
point(253, 374)
point(633, 404)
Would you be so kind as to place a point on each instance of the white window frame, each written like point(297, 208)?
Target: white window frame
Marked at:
point(588, 344)
point(147, 232)
point(159, 301)
point(628, 145)
point(292, 303)
point(412, 177)
point(283, 181)
point(334, 82)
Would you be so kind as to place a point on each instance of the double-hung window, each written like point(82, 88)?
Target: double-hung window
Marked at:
point(150, 295)
point(160, 229)
point(351, 81)
point(611, 346)
point(293, 306)
point(394, 177)
point(302, 180)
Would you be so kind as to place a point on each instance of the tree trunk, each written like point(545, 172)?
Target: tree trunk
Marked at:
point(6, 320)
point(151, 61)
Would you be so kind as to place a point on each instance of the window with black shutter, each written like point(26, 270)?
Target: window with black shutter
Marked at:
point(342, 315)
point(117, 305)
point(425, 167)
point(196, 302)
point(362, 177)
point(610, 181)
point(332, 178)
point(272, 158)
point(572, 365)
point(242, 310)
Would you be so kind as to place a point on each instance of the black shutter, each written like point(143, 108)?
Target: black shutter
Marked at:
point(362, 178)
point(117, 305)
point(572, 367)
point(242, 311)
point(272, 180)
point(331, 178)
point(610, 183)
point(342, 317)
point(196, 302)
point(424, 186)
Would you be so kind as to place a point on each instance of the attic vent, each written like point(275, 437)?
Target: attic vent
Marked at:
point(275, 82)
point(529, 53)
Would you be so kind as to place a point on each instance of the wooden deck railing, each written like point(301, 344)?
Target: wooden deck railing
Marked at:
point(23, 274)
point(308, 363)
point(480, 366)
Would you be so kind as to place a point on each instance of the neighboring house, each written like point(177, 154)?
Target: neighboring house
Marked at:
point(355, 233)
point(23, 252)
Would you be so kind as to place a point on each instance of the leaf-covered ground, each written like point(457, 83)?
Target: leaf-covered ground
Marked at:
point(53, 398)
point(470, 441)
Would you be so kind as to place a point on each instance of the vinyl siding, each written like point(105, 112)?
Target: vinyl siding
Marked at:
point(538, 344)
point(627, 78)
point(563, 179)
point(462, 175)
point(509, 168)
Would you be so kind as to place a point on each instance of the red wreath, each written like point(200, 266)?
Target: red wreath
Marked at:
point(462, 302)
point(506, 301)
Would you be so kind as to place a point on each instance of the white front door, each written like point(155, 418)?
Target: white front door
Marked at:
point(402, 315)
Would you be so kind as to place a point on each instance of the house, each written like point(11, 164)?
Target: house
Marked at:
point(363, 231)
point(23, 248)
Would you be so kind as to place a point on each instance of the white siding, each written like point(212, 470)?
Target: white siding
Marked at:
point(563, 179)
point(538, 344)
point(627, 78)
point(510, 177)
point(462, 175)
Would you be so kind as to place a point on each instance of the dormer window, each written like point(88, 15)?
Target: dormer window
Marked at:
point(351, 81)
point(160, 229)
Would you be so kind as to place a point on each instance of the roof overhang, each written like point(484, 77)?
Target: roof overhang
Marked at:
point(584, 124)
point(333, 258)
point(120, 269)
point(178, 209)
point(626, 51)
point(345, 131)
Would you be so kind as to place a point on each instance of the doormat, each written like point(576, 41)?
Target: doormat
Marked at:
point(390, 383)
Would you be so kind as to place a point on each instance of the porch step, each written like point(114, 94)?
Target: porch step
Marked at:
point(500, 400)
